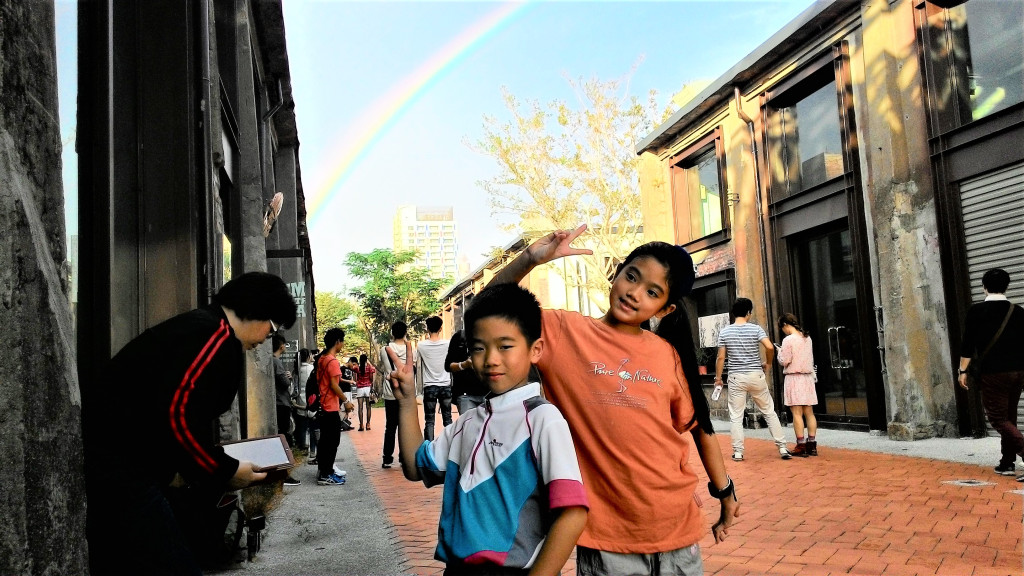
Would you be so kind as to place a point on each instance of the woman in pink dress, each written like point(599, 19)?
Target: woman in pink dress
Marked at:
point(797, 359)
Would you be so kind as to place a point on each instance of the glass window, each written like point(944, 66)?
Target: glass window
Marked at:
point(975, 59)
point(705, 195)
point(698, 181)
point(712, 311)
point(810, 149)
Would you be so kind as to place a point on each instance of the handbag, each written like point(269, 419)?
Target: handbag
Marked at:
point(974, 368)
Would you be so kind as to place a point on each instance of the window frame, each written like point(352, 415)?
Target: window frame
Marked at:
point(678, 164)
point(830, 68)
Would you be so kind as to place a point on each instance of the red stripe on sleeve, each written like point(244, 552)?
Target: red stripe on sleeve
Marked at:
point(177, 409)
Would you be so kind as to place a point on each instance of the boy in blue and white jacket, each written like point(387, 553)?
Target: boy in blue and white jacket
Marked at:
point(513, 499)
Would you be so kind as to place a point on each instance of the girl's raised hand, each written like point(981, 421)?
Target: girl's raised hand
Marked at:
point(557, 245)
point(403, 384)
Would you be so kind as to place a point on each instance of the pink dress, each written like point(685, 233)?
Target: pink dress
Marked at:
point(797, 359)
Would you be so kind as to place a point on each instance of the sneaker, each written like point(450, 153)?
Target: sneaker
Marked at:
point(386, 465)
point(289, 481)
point(1008, 470)
point(784, 454)
point(800, 450)
point(339, 471)
point(360, 428)
point(812, 447)
point(1020, 478)
point(332, 480)
point(737, 456)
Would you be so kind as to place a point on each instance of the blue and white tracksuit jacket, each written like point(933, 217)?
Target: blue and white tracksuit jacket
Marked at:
point(506, 466)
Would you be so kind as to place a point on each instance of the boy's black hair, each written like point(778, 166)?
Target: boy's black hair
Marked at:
point(511, 302)
point(258, 296)
point(399, 330)
point(333, 336)
point(434, 324)
point(741, 307)
point(996, 281)
point(277, 341)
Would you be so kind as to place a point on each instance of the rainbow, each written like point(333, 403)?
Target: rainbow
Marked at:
point(383, 115)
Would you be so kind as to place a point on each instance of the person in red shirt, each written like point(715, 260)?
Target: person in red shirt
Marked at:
point(328, 374)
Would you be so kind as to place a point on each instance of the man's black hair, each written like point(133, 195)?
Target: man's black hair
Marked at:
point(277, 341)
point(258, 296)
point(741, 307)
point(510, 302)
point(996, 281)
point(333, 336)
point(434, 324)
point(399, 330)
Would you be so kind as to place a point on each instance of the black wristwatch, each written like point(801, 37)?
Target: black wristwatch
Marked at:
point(729, 490)
point(962, 371)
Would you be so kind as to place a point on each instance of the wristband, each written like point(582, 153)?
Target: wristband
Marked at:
point(729, 490)
point(962, 371)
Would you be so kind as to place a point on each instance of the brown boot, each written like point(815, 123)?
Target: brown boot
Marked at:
point(800, 451)
point(812, 448)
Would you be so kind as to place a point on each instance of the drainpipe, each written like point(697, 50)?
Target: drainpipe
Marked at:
point(757, 197)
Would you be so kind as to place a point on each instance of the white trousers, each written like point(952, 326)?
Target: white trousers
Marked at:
point(755, 384)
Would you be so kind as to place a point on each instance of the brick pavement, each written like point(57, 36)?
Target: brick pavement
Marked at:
point(844, 512)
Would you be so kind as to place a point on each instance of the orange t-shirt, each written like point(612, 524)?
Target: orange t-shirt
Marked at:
point(325, 370)
point(627, 404)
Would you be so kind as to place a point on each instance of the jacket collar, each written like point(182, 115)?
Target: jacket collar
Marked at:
point(992, 297)
point(514, 396)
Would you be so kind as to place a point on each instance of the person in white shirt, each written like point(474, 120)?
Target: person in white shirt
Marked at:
point(437, 383)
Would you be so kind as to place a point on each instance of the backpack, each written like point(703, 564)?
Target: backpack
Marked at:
point(313, 390)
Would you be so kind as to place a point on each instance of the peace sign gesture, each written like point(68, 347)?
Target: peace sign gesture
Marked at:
point(403, 384)
point(557, 245)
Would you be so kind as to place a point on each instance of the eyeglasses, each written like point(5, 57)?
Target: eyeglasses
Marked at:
point(273, 329)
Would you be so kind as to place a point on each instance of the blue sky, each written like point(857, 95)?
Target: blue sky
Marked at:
point(345, 56)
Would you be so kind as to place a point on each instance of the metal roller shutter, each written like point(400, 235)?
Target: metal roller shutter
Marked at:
point(993, 215)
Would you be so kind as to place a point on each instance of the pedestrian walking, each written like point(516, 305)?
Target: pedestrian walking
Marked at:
point(992, 351)
point(741, 343)
point(797, 359)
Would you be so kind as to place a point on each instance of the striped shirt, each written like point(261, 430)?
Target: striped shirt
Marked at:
point(743, 347)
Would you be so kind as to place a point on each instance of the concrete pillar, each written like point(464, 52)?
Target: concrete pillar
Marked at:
point(900, 202)
point(41, 468)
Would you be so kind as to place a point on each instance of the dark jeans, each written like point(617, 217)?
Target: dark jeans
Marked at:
point(327, 447)
point(284, 423)
point(1000, 394)
point(390, 428)
point(301, 427)
point(466, 403)
point(314, 433)
point(132, 530)
point(432, 396)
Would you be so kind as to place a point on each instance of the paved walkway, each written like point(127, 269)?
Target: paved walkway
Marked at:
point(845, 512)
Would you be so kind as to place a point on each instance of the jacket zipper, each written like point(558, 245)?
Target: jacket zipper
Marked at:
point(483, 435)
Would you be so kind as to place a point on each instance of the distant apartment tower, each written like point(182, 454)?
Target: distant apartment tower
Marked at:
point(431, 231)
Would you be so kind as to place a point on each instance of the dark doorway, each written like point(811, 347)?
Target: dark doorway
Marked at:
point(826, 303)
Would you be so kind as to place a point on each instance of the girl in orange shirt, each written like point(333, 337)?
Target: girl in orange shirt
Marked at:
point(628, 396)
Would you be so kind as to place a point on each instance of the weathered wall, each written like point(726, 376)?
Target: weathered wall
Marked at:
point(901, 205)
point(41, 477)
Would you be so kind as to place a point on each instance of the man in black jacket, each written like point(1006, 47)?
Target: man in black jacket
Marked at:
point(172, 381)
point(1002, 367)
point(467, 390)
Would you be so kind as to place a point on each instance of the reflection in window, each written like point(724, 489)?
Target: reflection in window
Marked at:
point(994, 30)
point(975, 59)
point(712, 311)
point(811, 144)
point(705, 197)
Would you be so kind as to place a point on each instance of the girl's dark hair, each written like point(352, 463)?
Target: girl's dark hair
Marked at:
point(675, 327)
point(362, 364)
point(790, 320)
point(675, 259)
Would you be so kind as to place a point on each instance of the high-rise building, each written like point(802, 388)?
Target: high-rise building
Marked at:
point(432, 232)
